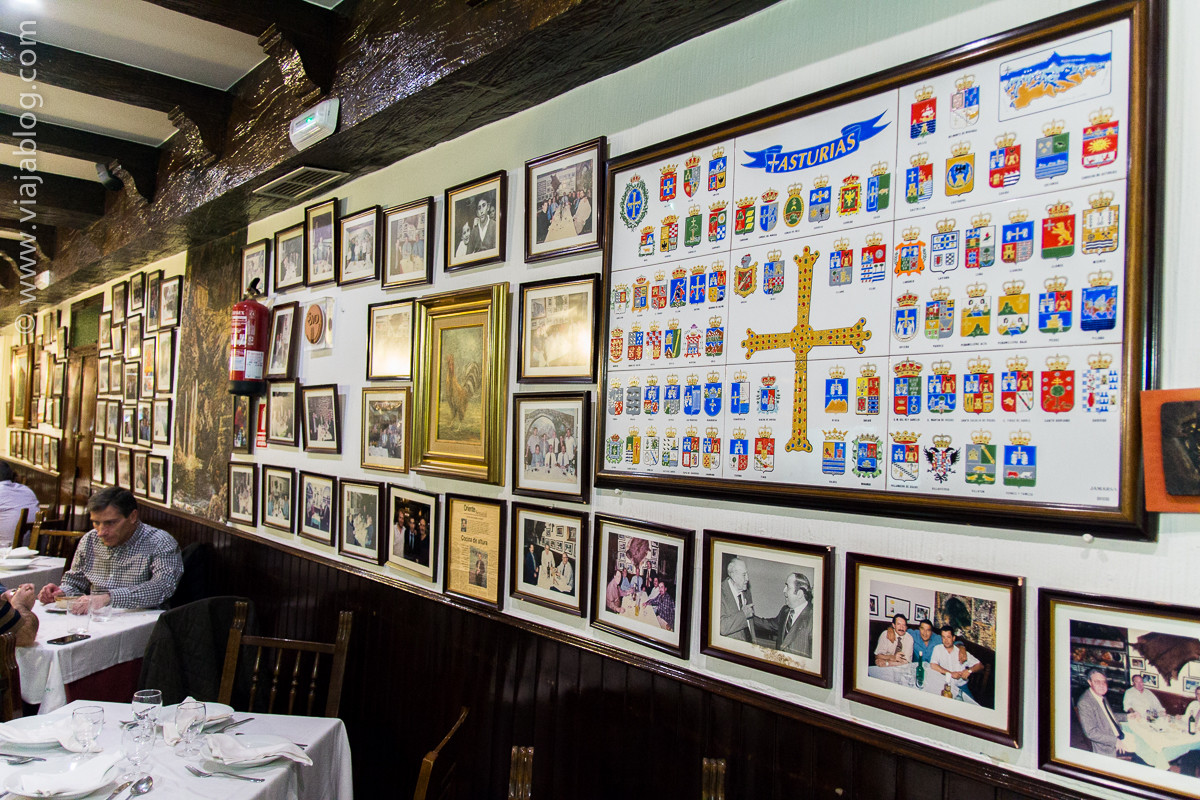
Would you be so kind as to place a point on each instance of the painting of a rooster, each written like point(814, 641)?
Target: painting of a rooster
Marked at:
point(460, 408)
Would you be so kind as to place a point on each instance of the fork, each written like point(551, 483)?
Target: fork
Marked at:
point(199, 773)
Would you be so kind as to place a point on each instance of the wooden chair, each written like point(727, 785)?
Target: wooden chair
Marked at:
point(297, 649)
point(520, 774)
point(23, 525)
point(438, 775)
point(712, 779)
point(50, 540)
point(10, 678)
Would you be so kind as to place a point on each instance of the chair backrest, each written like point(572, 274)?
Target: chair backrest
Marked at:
point(712, 779)
point(23, 524)
point(285, 651)
point(194, 583)
point(437, 777)
point(520, 774)
point(10, 678)
point(50, 540)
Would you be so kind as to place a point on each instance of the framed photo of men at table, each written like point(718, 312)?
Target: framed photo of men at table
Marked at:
point(1117, 706)
point(548, 549)
point(958, 669)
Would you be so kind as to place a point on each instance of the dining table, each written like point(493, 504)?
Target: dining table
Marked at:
point(1160, 741)
point(104, 666)
point(906, 675)
point(39, 571)
point(323, 740)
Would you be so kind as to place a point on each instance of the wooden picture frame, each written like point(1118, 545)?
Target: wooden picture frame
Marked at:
point(386, 428)
point(473, 555)
point(548, 560)
point(162, 421)
point(97, 463)
point(153, 299)
point(408, 244)
point(149, 362)
point(170, 301)
point(1082, 635)
point(145, 423)
point(564, 201)
point(550, 448)
point(140, 474)
point(358, 254)
point(104, 337)
point(362, 519)
point(281, 361)
point(290, 259)
point(243, 493)
point(414, 537)
point(458, 412)
point(120, 291)
point(279, 498)
point(283, 404)
point(1013, 375)
point(112, 421)
point(20, 385)
point(559, 324)
point(321, 242)
point(787, 633)
point(133, 337)
point(164, 368)
point(110, 464)
point(125, 468)
point(624, 552)
point(131, 381)
point(117, 337)
point(390, 340)
point(322, 419)
point(476, 222)
point(242, 427)
point(157, 478)
point(256, 263)
point(137, 292)
point(317, 498)
point(116, 377)
point(983, 611)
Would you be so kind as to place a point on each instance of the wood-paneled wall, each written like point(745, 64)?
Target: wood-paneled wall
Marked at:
point(602, 722)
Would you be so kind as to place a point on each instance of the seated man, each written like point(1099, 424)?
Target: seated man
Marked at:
point(14, 498)
point(16, 614)
point(895, 645)
point(1100, 725)
point(924, 643)
point(122, 561)
point(1141, 702)
point(951, 659)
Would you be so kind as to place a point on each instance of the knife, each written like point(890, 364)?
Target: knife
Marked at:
point(120, 788)
point(21, 755)
point(230, 725)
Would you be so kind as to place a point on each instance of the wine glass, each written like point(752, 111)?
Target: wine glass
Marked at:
point(146, 705)
point(87, 722)
point(136, 744)
point(189, 720)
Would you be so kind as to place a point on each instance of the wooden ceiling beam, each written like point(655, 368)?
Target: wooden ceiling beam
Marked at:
point(200, 112)
point(58, 201)
point(139, 160)
point(47, 236)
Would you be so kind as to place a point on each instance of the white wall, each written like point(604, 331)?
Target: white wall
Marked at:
point(789, 50)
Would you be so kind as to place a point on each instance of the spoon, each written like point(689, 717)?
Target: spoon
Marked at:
point(142, 786)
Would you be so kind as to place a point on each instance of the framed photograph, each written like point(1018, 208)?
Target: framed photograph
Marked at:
point(318, 507)
point(474, 552)
point(102, 374)
point(125, 468)
point(921, 612)
point(137, 292)
point(116, 376)
point(97, 463)
point(386, 427)
point(133, 337)
point(153, 299)
point(893, 606)
point(242, 434)
point(119, 303)
point(164, 368)
point(626, 553)
point(112, 421)
point(1137, 663)
point(322, 428)
point(243, 493)
point(390, 340)
point(460, 383)
point(110, 464)
point(413, 538)
point(359, 254)
point(289, 258)
point(156, 470)
point(362, 515)
point(282, 402)
point(129, 429)
point(131, 381)
point(145, 423)
point(256, 262)
point(960, 670)
point(320, 242)
point(140, 474)
point(768, 604)
point(550, 445)
point(476, 222)
point(408, 244)
point(149, 361)
point(170, 299)
point(548, 558)
point(1084, 732)
point(117, 336)
point(564, 201)
point(162, 421)
point(284, 324)
point(558, 329)
point(278, 498)
point(104, 342)
point(20, 385)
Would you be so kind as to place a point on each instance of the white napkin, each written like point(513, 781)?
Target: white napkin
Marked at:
point(88, 774)
point(52, 729)
point(229, 750)
point(21, 552)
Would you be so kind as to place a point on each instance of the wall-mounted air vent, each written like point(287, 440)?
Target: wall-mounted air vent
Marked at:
point(299, 183)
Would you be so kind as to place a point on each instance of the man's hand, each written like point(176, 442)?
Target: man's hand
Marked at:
point(22, 597)
point(1122, 746)
point(48, 593)
point(87, 602)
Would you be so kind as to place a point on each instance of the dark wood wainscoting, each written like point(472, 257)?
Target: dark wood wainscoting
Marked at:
point(602, 722)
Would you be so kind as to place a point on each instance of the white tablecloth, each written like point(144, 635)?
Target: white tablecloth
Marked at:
point(1160, 743)
point(46, 669)
point(329, 777)
point(906, 675)
point(41, 570)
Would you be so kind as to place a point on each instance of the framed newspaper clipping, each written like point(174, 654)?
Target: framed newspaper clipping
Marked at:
point(924, 292)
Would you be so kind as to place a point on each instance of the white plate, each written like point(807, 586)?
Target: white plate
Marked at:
point(16, 563)
point(13, 782)
point(216, 712)
point(44, 731)
point(248, 740)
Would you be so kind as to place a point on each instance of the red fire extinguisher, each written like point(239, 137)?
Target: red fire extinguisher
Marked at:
point(249, 332)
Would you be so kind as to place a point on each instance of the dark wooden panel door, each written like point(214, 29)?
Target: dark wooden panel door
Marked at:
point(79, 429)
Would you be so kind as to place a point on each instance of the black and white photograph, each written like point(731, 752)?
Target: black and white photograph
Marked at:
point(153, 299)
point(281, 358)
point(282, 401)
point(171, 297)
point(320, 241)
point(317, 498)
point(386, 421)
point(119, 303)
point(243, 493)
point(156, 469)
point(97, 463)
point(256, 262)
point(131, 381)
point(278, 498)
point(476, 218)
point(164, 368)
point(322, 428)
point(289, 257)
point(558, 331)
point(359, 258)
point(161, 433)
point(564, 201)
point(133, 336)
point(390, 340)
point(413, 538)
point(549, 547)
point(550, 453)
point(360, 513)
point(137, 292)
point(408, 238)
point(140, 474)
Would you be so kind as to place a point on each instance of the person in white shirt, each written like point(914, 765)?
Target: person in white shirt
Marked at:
point(894, 646)
point(952, 660)
point(14, 498)
point(1141, 702)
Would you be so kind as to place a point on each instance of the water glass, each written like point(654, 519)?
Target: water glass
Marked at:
point(136, 744)
point(77, 619)
point(102, 614)
point(146, 705)
point(189, 720)
point(86, 723)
